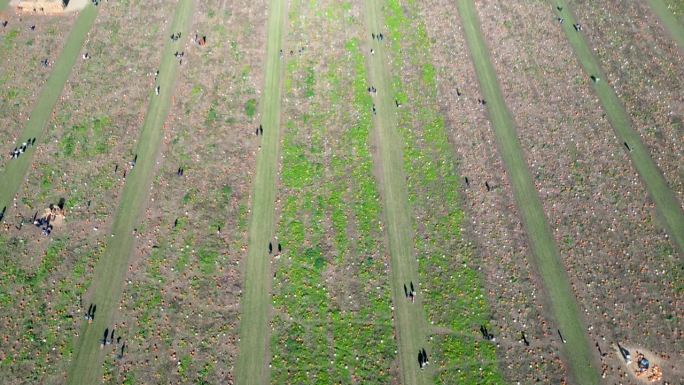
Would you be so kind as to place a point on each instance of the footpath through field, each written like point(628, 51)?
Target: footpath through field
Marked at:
point(669, 21)
point(15, 169)
point(577, 351)
point(251, 367)
point(411, 325)
point(86, 367)
point(666, 202)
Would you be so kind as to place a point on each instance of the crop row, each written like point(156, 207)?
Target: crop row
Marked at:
point(333, 317)
point(452, 287)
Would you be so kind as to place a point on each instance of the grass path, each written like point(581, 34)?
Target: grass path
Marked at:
point(3, 4)
point(86, 367)
point(251, 367)
point(666, 203)
point(16, 169)
point(577, 351)
point(669, 21)
point(411, 326)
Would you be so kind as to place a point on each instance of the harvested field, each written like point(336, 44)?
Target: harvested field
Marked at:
point(23, 76)
point(375, 130)
point(332, 310)
point(492, 224)
point(645, 67)
point(71, 166)
point(606, 230)
point(184, 279)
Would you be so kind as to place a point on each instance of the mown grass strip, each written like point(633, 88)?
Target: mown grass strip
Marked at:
point(546, 257)
point(669, 20)
point(15, 169)
point(410, 323)
point(86, 367)
point(251, 365)
point(666, 203)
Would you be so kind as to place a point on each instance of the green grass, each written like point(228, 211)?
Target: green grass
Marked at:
point(410, 324)
point(669, 20)
point(255, 304)
point(50, 290)
point(86, 367)
point(317, 335)
point(250, 108)
point(666, 203)
point(450, 286)
point(15, 170)
point(86, 140)
point(577, 351)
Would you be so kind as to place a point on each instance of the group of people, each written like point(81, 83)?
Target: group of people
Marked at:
point(270, 248)
point(422, 358)
point(116, 168)
point(108, 339)
point(487, 335)
point(44, 222)
point(179, 55)
point(90, 314)
point(14, 154)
